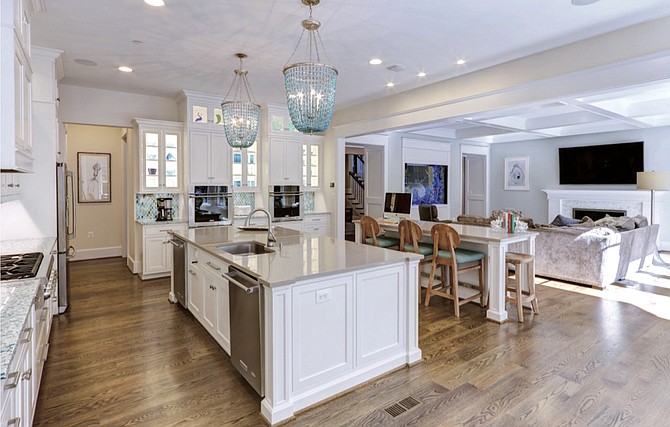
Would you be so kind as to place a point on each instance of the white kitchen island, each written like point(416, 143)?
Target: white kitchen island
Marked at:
point(335, 313)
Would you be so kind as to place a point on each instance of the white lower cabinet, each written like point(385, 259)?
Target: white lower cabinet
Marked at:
point(157, 250)
point(208, 296)
point(317, 224)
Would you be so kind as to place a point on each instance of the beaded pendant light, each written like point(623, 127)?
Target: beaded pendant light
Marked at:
point(240, 117)
point(310, 85)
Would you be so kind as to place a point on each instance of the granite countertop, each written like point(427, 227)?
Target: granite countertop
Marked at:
point(296, 256)
point(16, 296)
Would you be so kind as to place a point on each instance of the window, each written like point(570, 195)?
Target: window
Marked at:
point(245, 168)
point(311, 166)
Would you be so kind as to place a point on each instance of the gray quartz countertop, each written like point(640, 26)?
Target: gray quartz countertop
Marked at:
point(16, 296)
point(295, 257)
point(151, 221)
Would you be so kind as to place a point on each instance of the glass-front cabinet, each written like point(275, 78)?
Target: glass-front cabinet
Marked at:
point(311, 164)
point(160, 155)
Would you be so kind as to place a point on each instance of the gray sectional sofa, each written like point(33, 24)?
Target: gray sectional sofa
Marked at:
point(595, 256)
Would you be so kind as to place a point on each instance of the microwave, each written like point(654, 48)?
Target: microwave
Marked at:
point(285, 203)
point(209, 205)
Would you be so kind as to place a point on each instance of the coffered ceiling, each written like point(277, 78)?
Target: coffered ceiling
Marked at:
point(190, 44)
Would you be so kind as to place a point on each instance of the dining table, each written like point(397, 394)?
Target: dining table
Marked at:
point(495, 243)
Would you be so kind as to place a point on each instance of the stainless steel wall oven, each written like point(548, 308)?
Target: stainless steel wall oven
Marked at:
point(285, 203)
point(209, 205)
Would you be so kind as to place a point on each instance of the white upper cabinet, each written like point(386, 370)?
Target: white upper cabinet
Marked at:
point(311, 161)
point(16, 86)
point(285, 160)
point(160, 155)
point(209, 158)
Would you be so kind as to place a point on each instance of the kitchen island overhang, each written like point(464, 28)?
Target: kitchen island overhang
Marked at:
point(336, 314)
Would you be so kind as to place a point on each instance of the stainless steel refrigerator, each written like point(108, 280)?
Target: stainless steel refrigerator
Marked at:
point(66, 230)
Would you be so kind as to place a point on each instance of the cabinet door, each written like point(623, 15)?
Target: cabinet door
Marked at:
point(276, 160)
point(155, 254)
point(209, 304)
point(221, 156)
point(198, 142)
point(171, 161)
point(151, 160)
point(223, 314)
point(195, 291)
point(293, 161)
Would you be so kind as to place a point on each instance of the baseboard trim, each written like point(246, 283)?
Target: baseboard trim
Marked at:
point(131, 264)
point(96, 253)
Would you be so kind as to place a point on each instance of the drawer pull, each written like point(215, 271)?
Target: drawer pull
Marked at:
point(29, 335)
point(192, 273)
point(28, 374)
point(12, 380)
point(213, 266)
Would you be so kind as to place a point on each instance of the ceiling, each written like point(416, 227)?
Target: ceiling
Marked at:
point(190, 44)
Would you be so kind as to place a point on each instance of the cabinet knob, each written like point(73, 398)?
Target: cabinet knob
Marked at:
point(10, 185)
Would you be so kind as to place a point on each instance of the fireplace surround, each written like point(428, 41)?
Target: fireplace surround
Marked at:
point(565, 202)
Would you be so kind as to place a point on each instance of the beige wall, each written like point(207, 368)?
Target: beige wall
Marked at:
point(105, 220)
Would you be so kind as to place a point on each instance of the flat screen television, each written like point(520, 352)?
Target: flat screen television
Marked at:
point(601, 164)
point(397, 205)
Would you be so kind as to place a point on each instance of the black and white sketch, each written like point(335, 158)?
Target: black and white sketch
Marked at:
point(516, 173)
point(95, 175)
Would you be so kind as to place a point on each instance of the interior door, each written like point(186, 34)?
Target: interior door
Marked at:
point(474, 184)
point(375, 185)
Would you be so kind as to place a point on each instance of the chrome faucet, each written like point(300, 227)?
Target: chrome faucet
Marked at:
point(271, 237)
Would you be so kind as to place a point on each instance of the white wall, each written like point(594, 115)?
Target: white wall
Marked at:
point(543, 156)
point(83, 105)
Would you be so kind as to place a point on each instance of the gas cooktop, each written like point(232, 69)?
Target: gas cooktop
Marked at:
point(20, 266)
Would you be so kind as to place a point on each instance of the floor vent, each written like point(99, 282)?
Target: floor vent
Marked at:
point(402, 406)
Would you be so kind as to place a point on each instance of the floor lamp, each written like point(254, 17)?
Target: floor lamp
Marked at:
point(654, 181)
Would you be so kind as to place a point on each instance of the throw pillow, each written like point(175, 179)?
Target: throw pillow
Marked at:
point(625, 223)
point(562, 221)
point(608, 221)
point(640, 221)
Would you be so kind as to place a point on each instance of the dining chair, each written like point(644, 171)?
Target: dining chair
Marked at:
point(370, 231)
point(410, 241)
point(447, 255)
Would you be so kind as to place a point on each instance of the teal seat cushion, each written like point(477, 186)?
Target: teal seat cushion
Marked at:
point(423, 249)
point(384, 242)
point(462, 255)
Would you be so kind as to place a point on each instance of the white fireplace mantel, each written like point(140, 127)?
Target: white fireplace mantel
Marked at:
point(634, 202)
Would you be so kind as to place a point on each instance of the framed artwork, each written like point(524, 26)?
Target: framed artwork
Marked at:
point(95, 177)
point(516, 173)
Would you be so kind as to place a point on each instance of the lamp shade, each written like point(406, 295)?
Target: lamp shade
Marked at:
point(653, 180)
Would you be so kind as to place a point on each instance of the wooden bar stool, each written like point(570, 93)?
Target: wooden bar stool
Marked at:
point(515, 285)
point(410, 241)
point(448, 256)
point(371, 234)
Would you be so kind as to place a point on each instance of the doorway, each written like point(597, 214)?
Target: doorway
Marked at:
point(474, 179)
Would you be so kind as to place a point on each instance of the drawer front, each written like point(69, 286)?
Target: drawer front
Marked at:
point(315, 219)
point(153, 230)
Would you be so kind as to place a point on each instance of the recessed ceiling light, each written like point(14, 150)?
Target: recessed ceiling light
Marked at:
point(421, 74)
point(125, 69)
point(155, 3)
point(460, 62)
point(375, 61)
point(389, 84)
point(86, 62)
point(583, 2)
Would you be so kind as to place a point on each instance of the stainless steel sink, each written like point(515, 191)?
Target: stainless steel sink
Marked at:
point(245, 248)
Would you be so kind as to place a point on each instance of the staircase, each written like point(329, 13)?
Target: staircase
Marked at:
point(354, 197)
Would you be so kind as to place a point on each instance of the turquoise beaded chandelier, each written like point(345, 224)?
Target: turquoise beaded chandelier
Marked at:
point(310, 85)
point(240, 117)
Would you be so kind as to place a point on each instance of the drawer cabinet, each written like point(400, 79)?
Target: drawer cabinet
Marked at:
point(156, 250)
point(208, 295)
point(317, 224)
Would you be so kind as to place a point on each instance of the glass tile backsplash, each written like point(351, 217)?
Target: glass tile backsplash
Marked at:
point(145, 205)
point(244, 203)
point(309, 201)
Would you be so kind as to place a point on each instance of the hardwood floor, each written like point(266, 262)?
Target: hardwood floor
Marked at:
point(123, 355)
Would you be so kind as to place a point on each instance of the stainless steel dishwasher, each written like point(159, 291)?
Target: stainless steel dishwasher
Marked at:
point(179, 270)
point(246, 327)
